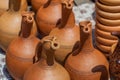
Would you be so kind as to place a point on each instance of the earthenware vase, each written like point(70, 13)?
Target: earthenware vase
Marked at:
point(86, 62)
point(47, 68)
point(21, 51)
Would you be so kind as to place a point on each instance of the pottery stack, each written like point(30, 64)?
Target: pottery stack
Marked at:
point(107, 21)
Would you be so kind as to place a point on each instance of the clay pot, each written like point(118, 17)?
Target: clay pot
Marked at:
point(108, 15)
point(36, 4)
point(86, 62)
point(112, 9)
point(21, 51)
point(10, 24)
point(115, 59)
point(47, 68)
point(111, 2)
point(48, 16)
point(108, 22)
point(66, 32)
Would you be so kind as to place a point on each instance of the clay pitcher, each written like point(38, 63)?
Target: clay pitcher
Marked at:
point(48, 16)
point(21, 51)
point(36, 4)
point(115, 59)
point(10, 24)
point(86, 62)
point(47, 68)
point(66, 32)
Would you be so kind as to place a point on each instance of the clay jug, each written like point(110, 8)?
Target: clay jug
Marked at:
point(115, 59)
point(86, 62)
point(21, 51)
point(48, 16)
point(10, 24)
point(47, 68)
point(36, 4)
point(66, 32)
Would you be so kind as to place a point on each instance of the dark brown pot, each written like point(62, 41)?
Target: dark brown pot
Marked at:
point(86, 62)
point(66, 32)
point(21, 51)
point(47, 68)
point(48, 16)
point(10, 24)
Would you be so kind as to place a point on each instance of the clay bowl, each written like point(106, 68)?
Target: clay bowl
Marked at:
point(108, 15)
point(108, 22)
point(112, 9)
point(110, 2)
point(104, 34)
point(107, 28)
point(106, 42)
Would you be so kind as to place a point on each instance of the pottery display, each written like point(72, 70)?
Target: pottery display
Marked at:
point(86, 62)
point(36, 4)
point(10, 24)
point(21, 52)
point(47, 68)
point(67, 32)
point(48, 16)
point(115, 59)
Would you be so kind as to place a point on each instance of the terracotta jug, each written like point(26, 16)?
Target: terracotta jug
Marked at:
point(47, 68)
point(36, 4)
point(10, 24)
point(66, 32)
point(86, 62)
point(48, 16)
point(21, 51)
point(115, 59)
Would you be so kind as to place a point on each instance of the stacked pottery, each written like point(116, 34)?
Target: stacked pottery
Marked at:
point(107, 21)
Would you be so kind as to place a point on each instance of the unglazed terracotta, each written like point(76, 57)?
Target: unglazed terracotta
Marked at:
point(21, 51)
point(86, 62)
point(66, 32)
point(48, 16)
point(108, 22)
point(108, 15)
point(10, 24)
point(107, 8)
point(47, 68)
point(110, 2)
point(115, 59)
point(36, 4)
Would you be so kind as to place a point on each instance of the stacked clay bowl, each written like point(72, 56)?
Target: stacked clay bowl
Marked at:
point(107, 21)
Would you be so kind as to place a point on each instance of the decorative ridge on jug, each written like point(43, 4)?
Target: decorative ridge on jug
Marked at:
point(14, 5)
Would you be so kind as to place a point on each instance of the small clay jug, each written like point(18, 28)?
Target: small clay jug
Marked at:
point(115, 59)
point(47, 68)
point(48, 16)
point(36, 4)
point(66, 32)
point(10, 24)
point(86, 62)
point(21, 51)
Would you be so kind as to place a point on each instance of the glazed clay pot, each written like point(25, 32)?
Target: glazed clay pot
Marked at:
point(66, 32)
point(111, 2)
point(115, 60)
point(114, 9)
point(47, 68)
point(10, 24)
point(36, 4)
point(48, 16)
point(86, 62)
point(21, 51)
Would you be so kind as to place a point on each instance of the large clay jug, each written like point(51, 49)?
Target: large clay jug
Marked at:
point(86, 62)
point(115, 59)
point(10, 24)
point(66, 32)
point(36, 4)
point(48, 16)
point(21, 51)
point(47, 68)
